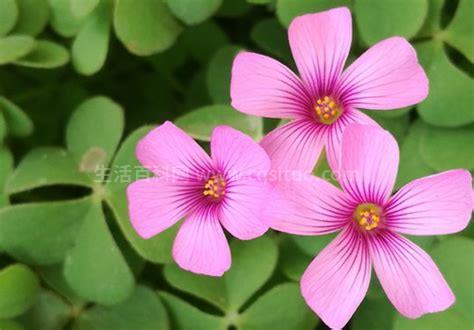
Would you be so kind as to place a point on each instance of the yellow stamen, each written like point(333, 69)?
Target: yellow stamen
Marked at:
point(327, 110)
point(215, 187)
point(368, 216)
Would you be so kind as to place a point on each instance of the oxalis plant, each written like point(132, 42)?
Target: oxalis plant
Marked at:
point(231, 164)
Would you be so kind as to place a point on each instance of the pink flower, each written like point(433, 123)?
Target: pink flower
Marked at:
point(323, 100)
point(370, 224)
point(226, 189)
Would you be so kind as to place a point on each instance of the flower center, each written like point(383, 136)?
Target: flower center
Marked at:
point(327, 110)
point(215, 187)
point(368, 215)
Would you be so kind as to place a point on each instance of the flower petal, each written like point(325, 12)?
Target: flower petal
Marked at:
point(241, 211)
point(386, 76)
point(408, 276)
point(433, 205)
point(237, 154)
point(201, 246)
point(333, 146)
point(337, 280)
point(369, 163)
point(295, 146)
point(303, 204)
point(264, 87)
point(320, 44)
point(167, 150)
point(158, 203)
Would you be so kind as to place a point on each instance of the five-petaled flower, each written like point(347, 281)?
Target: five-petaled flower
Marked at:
point(226, 189)
point(370, 221)
point(324, 100)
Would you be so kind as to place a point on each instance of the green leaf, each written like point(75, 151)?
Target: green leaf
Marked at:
point(398, 126)
point(10, 325)
point(218, 74)
point(46, 55)
point(53, 276)
point(145, 27)
point(48, 312)
point(184, 316)
point(82, 8)
point(233, 8)
point(124, 170)
point(45, 167)
point(199, 45)
point(142, 310)
point(374, 314)
point(14, 47)
point(253, 260)
point(450, 100)
point(95, 268)
point(451, 256)
point(412, 165)
point(63, 20)
point(461, 29)
point(41, 233)
point(402, 17)
point(18, 289)
point(33, 17)
point(448, 148)
point(432, 24)
point(19, 124)
point(287, 10)
point(90, 47)
point(280, 308)
point(8, 15)
point(3, 128)
point(260, 2)
point(269, 35)
point(94, 131)
point(201, 122)
point(6, 166)
point(193, 12)
point(312, 245)
point(293, 261)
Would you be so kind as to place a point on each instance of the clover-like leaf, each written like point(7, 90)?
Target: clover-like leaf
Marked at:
point(33, 17)
point(8, 15)
point(293, 261)
point(63, 20)
point(45, 167)
point(398, 126)
point(10, 325)
point(48, 312)
point(402, 17)
point(125, 169)
point(282, 308)
point(6, 168)
point(254, 260)
point(447, 148)
point(184, 316)
point(19, 124)
point(14, 47)
point(412, 165)
point(312, 245)
point(91, 45)
point(218, 74)
point(269, 35)
point(199, 45)
point(145, 27)
point(193, 11)
point(18, 289)
point(94, 131)
point(450, 100)
point(95, 268)
point(201, 122)
point(287, 10)
point(45, 55)
point(376, 313)
point(142, 310)
point(82, 8)
point(41, 233)
point(461, 29)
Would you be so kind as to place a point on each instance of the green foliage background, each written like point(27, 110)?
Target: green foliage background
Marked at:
point(81, 81)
